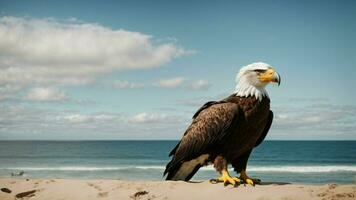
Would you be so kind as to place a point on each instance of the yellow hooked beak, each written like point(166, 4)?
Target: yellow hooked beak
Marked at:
point(270, 75)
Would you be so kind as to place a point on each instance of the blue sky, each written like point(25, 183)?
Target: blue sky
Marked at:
point(139, 69)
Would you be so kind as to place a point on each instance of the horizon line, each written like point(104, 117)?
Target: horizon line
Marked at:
point(84, 140)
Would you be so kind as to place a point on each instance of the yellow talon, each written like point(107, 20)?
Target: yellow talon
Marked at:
point(249, 182)
point(246, 178)
point(227, 179)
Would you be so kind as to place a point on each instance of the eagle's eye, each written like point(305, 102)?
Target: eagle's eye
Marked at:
point(260, 70)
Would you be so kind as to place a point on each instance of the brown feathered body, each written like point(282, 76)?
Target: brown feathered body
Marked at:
point(230, 128)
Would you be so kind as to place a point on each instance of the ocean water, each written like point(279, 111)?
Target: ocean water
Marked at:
point(281, 161)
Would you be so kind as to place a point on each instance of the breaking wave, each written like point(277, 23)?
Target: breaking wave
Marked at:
point(292, 169)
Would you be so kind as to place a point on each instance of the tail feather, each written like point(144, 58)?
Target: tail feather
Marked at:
point(184, 170)
point(171, 169)
point(172, 173)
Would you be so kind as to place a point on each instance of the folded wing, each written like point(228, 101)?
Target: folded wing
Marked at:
point(211, 125)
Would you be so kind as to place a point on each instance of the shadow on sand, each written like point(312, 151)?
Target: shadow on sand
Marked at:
point(274, 183)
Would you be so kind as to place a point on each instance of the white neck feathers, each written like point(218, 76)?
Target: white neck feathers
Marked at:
point(245, 90)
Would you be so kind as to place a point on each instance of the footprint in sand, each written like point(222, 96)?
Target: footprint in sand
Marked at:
point(94, 186)
point(36, 184)
point(343, 195)
point(332, 186)
point(323, 194)
point(103, 194)
point(140, 194)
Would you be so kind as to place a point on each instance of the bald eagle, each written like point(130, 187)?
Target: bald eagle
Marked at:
point(226, 131)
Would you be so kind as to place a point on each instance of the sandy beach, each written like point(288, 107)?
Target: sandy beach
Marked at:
point(66, 189)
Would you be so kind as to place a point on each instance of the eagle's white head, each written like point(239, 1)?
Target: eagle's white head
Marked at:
point(253, 78)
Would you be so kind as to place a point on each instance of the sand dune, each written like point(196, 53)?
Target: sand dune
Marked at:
point(65, 189)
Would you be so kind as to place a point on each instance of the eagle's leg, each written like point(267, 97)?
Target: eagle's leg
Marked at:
point(248, 180)
point(220, 165)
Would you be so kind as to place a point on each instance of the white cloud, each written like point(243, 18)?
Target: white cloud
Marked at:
point(314, 121)
point(77, 47)
point(154, 118)
point(9, 91)
point(46, 94)
point(321, 117)
point(322, 121)
point(82, 118)
point(170, 83)
point(126, 85)
point(181, 82)
point(199, 85)
point(21, 122)
point(46, 52)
